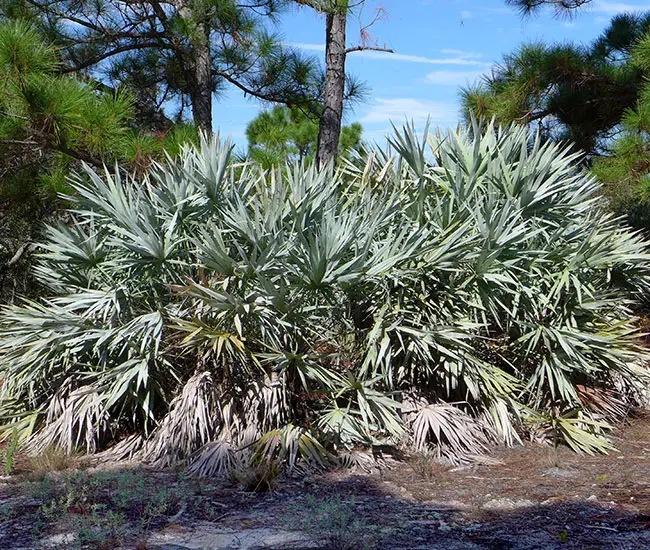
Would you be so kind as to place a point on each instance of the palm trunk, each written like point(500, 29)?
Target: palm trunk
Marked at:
point(329, 129)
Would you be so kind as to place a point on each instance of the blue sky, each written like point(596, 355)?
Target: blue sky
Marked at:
point(439, 46)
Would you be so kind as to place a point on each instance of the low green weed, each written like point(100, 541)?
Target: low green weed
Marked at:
point(9, 453)
point(103, 510)
point(335, 522)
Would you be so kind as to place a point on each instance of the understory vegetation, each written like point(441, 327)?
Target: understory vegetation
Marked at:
point(447, 294)
point(103, 509)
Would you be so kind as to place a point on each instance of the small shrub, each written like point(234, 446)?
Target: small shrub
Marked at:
point(52, 459)
point(427, 466)
point(257, 478)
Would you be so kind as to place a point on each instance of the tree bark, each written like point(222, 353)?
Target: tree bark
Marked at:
point(198, 68)
point(201, 93)
point(330, 123)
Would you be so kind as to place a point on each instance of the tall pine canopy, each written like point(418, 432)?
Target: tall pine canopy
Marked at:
point(174, 53)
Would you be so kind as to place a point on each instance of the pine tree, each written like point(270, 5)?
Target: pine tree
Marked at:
point(573, 92)
point(625, 171)
point(175, 53)
point(47, 119)
point(283, 134)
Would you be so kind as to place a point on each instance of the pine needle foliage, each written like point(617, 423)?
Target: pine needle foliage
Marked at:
point(43, 110)
point(568, 91)
point(284, 134)
point(448, 293)
point(51, 121)
point(624, 171)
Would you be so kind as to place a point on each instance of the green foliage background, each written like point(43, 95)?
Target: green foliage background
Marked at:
point(595, 96)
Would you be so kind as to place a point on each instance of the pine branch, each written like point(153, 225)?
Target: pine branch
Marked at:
point(13, 115)
point(371, 48)
point(527, 7)
point(19, 142)
point(257, 93)
point(110, 53)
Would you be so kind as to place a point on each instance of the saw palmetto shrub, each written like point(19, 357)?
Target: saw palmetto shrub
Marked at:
point(446, 295)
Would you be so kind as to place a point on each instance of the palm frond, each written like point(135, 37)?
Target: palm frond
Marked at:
point(451, 433)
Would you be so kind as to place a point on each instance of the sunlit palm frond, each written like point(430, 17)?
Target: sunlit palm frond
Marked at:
point(291, 446)
point(452, 434)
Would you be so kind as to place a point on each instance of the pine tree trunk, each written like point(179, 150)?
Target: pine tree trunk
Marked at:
point(330, 123)
point(201, 94)
point(198, 65)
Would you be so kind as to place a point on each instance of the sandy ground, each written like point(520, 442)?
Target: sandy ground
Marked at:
point(530, 497)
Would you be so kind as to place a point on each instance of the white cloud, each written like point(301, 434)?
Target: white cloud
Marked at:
point(462, 53)
point(303, 46)
point(457, 60)
point(604, 6)
point(466, 14)
point(455, 78)
point(407, 108)
point(458, 57)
